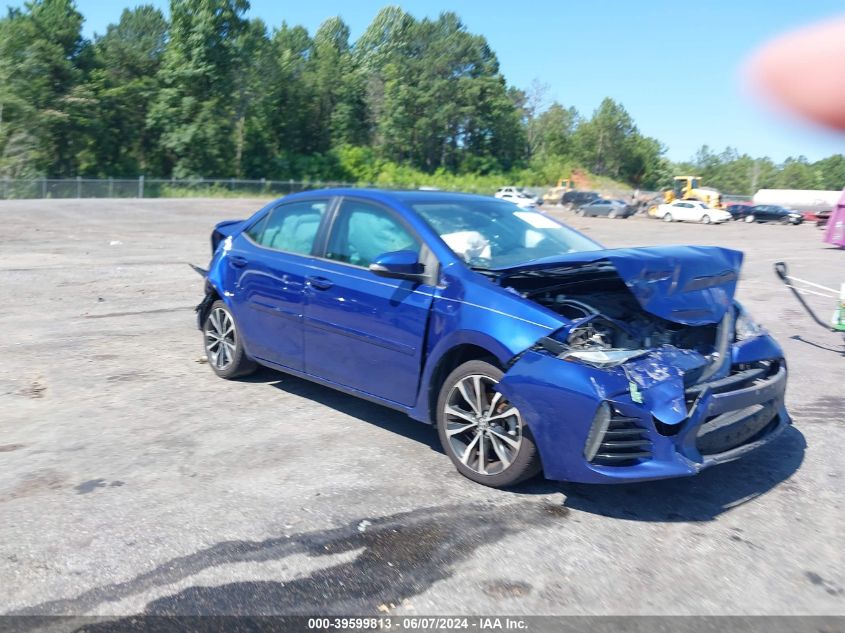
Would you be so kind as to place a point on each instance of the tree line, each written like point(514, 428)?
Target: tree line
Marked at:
point(213, 93)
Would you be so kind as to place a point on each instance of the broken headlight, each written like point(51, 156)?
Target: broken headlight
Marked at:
point(601, 342)
point(745, 327)
point(604, 357)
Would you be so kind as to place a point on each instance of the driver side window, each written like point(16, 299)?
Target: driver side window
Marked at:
point(363, 231)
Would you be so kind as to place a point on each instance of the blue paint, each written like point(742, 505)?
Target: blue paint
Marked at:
point(382, 338)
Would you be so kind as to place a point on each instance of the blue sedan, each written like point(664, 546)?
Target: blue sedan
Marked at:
point(530, 346)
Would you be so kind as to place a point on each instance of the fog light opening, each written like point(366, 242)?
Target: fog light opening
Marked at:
point(601, 420)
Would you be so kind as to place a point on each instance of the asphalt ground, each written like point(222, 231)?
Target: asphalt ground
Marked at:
point(132, 480)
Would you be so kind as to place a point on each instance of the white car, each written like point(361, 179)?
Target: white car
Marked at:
point(691, 211)
point(518, 196)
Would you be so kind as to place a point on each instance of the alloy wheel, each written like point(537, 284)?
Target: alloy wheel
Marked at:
point(220, 338)
point(483, 429)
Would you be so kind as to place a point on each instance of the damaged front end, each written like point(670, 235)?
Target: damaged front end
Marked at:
point(659, 372)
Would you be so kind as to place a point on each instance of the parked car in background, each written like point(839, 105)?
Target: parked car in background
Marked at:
point(815, 215)
point(521, 200)
point(772, 213)
point(574, 200)
point(518, 196)
point(528, 345)
point(691, 211)
point(607, 208)
point(738, 209)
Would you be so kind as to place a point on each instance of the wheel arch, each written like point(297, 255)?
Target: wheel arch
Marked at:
point(442, 364)
point(204, 307)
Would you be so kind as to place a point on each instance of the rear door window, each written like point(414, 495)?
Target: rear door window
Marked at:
point(290, 227)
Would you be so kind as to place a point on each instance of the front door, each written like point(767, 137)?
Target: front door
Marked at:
point(361, 330)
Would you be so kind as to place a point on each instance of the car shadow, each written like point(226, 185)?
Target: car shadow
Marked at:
point(370, 412)
point(699, 498)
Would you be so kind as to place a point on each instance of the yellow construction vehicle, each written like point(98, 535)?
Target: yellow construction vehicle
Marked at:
point(689, 188)
point(555, 194)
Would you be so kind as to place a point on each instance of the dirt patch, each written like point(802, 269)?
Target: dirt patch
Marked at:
point(34, 390)
point(35, 483)
point(503, 589)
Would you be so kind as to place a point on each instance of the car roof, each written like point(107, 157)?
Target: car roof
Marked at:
point(406, 197)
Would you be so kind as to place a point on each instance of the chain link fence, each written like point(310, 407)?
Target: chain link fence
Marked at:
point(141, 187)
point(16, 189)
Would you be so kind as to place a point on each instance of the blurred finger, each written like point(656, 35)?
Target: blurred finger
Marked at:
point(804, 71)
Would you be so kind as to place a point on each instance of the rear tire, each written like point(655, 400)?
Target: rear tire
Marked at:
point(223, 346)
point(749, 219)
point(667, 217)
point(612, 214)
point(481, 432)
point(705, 219)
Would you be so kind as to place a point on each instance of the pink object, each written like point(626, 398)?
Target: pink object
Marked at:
point(835, 232)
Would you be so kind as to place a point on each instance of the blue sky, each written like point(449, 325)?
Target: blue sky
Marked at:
point(675, 66)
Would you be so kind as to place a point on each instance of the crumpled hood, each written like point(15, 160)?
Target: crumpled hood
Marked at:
point(692, 285)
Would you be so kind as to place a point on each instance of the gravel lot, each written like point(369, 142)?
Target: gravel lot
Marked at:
point(133, 480)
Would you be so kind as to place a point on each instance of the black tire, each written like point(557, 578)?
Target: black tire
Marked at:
point(705, 219)
point(234, 363)
point(612, 214)
point(749, 219)
point(525, 460)
point(667, 217)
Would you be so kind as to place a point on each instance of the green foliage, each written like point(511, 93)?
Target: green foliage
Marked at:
point(194, 112)
point(413, 102)
point(42, 60)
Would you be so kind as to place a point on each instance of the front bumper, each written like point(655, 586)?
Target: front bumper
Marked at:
point(705, 424)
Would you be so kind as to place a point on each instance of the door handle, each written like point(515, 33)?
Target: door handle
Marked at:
point(320, 283)
point(238, 261)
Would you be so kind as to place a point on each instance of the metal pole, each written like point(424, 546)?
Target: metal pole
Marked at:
point(79, 186)
point(43, 187)
point(140, 186)
point(111, 187)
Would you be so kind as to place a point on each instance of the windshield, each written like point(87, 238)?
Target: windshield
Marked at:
point(493, 234)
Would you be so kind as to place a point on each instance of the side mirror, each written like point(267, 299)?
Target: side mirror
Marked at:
point(399, 265)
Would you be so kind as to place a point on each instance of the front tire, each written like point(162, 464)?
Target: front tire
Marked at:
point(705, 219)
point(223, 346)
point(481, 432)
point(667, 217)
point(749, 219)
point(612, 214)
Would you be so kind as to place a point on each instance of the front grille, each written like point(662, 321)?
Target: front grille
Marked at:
point(741, 376)
point(735, 428)
point(624, 443)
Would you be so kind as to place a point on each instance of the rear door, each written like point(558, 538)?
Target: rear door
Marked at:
point(361, 330)
point(272, 259)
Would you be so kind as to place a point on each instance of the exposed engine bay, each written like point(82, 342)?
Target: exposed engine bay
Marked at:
point(605, 314)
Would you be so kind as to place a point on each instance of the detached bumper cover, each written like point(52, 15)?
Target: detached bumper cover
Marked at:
point(659, 430)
